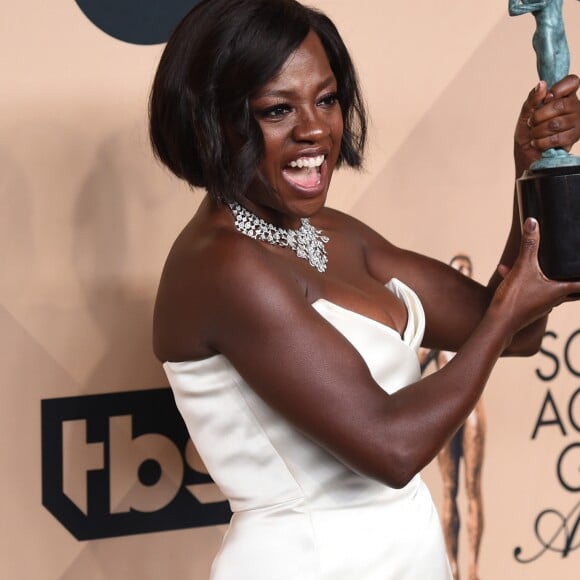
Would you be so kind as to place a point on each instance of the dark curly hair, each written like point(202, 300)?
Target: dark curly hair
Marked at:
point(220, 54)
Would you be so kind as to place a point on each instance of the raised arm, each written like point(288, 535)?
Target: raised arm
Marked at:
point(548, 118)
point(454, 303)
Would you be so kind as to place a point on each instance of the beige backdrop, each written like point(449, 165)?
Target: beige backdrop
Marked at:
point(87, 218)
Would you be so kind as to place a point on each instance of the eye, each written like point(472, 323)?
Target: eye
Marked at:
point(274, 112)
point(328, 100)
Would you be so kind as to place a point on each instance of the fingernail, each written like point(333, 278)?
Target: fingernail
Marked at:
point(548, 97)
point(537, 88)
point(531, 225)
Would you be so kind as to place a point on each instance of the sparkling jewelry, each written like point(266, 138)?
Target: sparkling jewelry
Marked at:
point(307, 242)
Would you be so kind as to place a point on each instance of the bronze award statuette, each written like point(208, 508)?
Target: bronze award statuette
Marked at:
point(550, 190)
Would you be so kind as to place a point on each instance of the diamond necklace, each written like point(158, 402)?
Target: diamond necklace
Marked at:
point(307, 242)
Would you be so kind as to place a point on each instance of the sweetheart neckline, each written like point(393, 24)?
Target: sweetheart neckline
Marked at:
point(400, 336)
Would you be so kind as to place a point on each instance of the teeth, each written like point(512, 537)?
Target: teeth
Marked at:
point(308, 162)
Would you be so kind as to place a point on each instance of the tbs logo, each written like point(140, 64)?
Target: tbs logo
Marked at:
point(123, 463)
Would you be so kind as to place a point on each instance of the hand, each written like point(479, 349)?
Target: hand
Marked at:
point(549, 118)
point(525, 294)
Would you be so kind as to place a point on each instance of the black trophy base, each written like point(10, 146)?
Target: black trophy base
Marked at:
point(552, 196)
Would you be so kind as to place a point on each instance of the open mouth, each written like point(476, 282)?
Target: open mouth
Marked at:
point(305, 172)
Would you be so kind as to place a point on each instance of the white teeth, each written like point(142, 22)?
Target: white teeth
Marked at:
point(308, 162)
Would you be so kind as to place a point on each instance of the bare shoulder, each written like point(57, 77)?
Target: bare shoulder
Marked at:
point(380, 255)
point(335, 219)
point(386, 260)
point(211, 276)
point(345, 225)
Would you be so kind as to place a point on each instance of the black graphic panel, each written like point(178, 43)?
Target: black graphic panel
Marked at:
point(136, 21)
point(122, 463)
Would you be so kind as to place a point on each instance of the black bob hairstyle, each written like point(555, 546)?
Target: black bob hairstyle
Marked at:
point(220, 54)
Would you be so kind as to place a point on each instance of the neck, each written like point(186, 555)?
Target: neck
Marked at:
point(272, 216)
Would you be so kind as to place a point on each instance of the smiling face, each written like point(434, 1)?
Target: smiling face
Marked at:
point(301, 122)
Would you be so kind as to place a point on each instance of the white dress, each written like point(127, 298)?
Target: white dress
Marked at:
point(298, 512)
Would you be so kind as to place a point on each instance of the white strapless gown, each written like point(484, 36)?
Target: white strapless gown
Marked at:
point(298, 512)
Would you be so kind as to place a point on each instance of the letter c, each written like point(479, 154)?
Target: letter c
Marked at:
point(560, 468)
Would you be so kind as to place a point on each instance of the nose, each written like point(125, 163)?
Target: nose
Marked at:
point(310, 126)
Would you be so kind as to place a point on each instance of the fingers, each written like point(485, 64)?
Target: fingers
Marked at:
point(524, 151)
point(564, 138)
point(525, 293)
point(535, 98)
point(567, 86)
point(555, 127)
point(566, 290)
point(555, 108)
point(549, 118)
point(530, 241)
point(529, 248)
point(556, 121)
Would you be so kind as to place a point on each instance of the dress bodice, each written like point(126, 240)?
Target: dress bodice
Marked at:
point(273, 475)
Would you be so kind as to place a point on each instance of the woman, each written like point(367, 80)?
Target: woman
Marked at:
point(288, 330)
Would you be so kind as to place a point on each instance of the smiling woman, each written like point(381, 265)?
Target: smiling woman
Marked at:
point(289, 331)
point(300, 118)
point(227, 52)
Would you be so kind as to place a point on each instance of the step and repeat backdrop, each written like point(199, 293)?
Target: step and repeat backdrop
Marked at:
point(100, 480)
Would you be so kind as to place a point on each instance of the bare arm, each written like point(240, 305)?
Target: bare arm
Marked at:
point(306, 370)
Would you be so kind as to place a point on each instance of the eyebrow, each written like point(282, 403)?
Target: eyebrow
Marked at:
point(287, 93)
